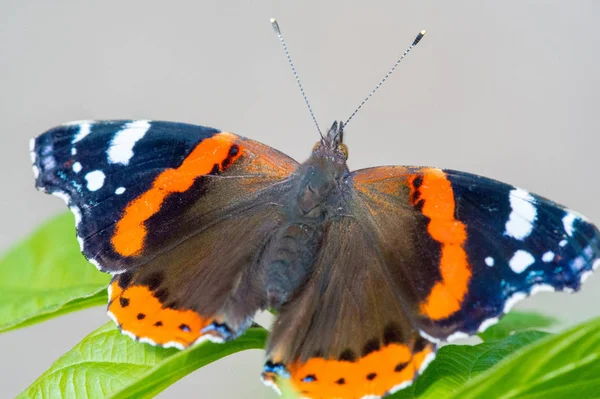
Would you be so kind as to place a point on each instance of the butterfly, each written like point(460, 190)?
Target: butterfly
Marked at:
point(369, 271)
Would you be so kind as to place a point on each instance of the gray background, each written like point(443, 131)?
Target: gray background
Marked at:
point(507, 89)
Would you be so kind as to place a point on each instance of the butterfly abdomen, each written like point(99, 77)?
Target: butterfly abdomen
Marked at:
point(288, 260)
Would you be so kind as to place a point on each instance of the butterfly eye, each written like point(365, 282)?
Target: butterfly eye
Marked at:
point(343, 149)
point(317, 145)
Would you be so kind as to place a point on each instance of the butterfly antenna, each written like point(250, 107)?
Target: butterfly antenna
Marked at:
point(387, 75)
point(287, 54)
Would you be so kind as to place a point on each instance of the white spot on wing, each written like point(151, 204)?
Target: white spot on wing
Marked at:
point(401, 386)
point(585, 276)
point(121, 146)
point(120, 190)
point(48, 161)
point(147, 341)
point(568, 221)
point(73, 151)
point(85, 128)
point(77, 167)
point(579, 263)
point(129, 334)
point(520, 261)
point(512, 301)
point(429, 337)
point(208, 337)
point(522, 216)
point(63, 196)
point(487, 324)
point(596, 264)
point(426, 362)
point(95, 180)
point(548, 257)
point(77, 214)
point(109, 313)
point(173, 344)
point(562, 243)
point(80, 241)
point(32, 153)
point(489, 261)
point(541, 288)
point(271, 384)
point(456, 336)
point(36, 172)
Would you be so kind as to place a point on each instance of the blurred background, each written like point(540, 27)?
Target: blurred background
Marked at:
point(509, 90)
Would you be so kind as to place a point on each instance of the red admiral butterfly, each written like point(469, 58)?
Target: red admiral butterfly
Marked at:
point(369, 270)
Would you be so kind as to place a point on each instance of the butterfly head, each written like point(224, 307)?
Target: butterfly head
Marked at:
point(332, 145)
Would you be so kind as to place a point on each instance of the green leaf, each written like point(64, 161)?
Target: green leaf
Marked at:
point(560, 366)
point(108, 364)
point(454, 365)
point(517, 321)
point(45, 276)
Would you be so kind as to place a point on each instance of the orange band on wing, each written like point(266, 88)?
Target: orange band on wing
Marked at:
point(137, 311)
point(130, 231)
point(437, 196)
point(374, 374)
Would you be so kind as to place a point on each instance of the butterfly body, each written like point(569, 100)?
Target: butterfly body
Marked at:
point(369, 270)
point(317, 197)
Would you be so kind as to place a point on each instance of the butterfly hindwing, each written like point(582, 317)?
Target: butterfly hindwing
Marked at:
point(159, 204)
point(207, 287)
point(475, 245)
point(346, 334)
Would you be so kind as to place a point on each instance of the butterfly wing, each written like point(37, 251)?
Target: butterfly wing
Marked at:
point(419, 256)
point(157, 204)
point(464, 248)
point(346, 334)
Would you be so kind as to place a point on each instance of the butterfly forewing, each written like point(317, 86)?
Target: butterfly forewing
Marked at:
point(161, 204)
point(492, 244)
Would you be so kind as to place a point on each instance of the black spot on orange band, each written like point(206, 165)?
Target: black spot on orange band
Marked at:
point(153, 280)
point(371, 346)
point(347, 355)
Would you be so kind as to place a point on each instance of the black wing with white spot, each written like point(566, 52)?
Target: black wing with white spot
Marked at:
point(97, 168)
point(463, 249)
point(517, 244)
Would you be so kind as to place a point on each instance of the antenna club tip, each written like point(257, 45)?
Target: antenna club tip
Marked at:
point(275, 26)
point(419, 37)
point(423, 32)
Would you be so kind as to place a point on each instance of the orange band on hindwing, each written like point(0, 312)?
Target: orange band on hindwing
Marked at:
point(374, 374)
point(139, 313)
point(434, 193)
point(130, 231)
